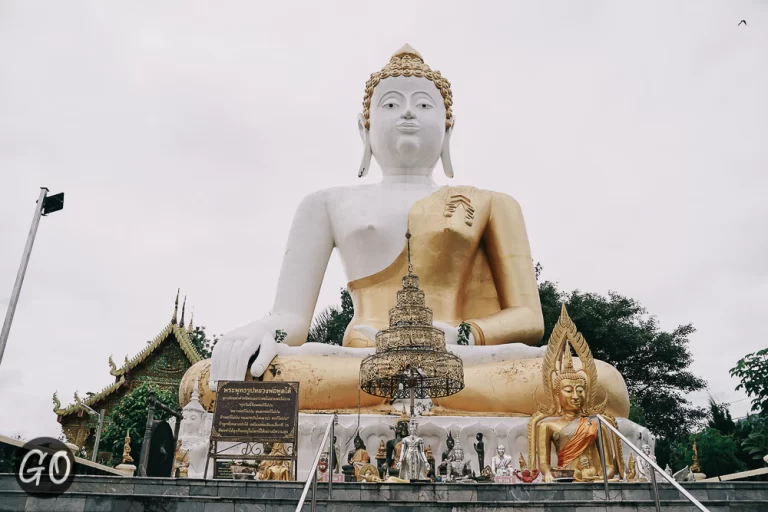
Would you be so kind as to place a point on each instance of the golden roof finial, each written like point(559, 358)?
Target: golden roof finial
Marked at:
point(183, 309)
point(175, 307)
point(112, 365)
point(56, 402)
point(191, 327)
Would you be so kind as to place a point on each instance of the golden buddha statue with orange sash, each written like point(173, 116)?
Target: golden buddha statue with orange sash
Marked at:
point(566, 419)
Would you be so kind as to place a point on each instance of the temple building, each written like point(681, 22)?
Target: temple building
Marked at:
point(163, 362)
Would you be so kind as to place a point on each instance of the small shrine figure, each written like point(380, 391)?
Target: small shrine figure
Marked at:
point(668, 470)
point(431, 461)
point(480, 450)
point(449, 444)
point(357, 458)
point(413, 461)
point(381, 459)
point(521, 462)
point(631, 474)
point(457, 469)
point(643, 468)
point(180, 462)
point(585, 472)
point(127, 459)
point(394, 446)
point(275, 469)
point(501, 463)
point(335, 457)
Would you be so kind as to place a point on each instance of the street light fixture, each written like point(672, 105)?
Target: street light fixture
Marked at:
point(45, 205)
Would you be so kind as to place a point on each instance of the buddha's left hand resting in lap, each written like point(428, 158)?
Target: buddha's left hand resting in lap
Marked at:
point(469, 248)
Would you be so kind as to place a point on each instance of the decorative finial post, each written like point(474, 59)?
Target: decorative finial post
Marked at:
point(183, 309)
point(127, 459)
point(175, 307)
point(408, 242)
point(191, 327)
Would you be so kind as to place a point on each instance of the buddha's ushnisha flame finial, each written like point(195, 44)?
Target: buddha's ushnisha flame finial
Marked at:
point(183, 309)
point(175, 307)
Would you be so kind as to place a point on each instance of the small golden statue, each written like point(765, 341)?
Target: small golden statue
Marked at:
point(695, 468)
point(180, 462)
point(127, 459)
point(631, 471)
point(523, 464)
point(382, 453)
point(566, 418)
point(275, 469)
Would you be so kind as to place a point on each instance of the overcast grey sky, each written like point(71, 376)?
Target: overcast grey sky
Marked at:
point(185, 133)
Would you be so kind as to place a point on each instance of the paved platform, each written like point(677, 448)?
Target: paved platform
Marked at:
point(119, 494)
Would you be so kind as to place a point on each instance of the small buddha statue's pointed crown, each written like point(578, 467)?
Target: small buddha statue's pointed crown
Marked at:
point(408, 62)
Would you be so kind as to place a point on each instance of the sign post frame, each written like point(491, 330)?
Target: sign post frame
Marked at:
point(250, 443)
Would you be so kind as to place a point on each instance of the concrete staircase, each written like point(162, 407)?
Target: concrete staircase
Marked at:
point(120, 494)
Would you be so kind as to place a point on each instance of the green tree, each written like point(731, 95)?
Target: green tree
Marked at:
point(752, 434)
point(654, 363)
point(752, 371)
point(329, 325)
point(203, 344)
point(718, 453)
point(720, 418)
point(130, 415)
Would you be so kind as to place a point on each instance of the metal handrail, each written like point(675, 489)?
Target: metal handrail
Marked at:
point(602, 421)
point(313, 470)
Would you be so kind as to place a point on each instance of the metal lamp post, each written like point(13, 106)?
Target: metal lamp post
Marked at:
point(45, 204)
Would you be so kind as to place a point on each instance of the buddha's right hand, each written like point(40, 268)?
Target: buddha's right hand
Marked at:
point(233, 351)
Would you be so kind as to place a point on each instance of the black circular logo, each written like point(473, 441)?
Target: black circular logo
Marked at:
point(45, 467)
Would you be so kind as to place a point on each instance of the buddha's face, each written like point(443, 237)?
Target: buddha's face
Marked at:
point(402, 429)
point(193, 420)
point(500, 450)
point(571, 394)
point(407, 123)
point(449, 443)
point(358, 443)
point(459, 453)
point(646, 449)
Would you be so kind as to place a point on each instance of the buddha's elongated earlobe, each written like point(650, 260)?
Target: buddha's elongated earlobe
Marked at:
point(365, 163)
point(445, 154)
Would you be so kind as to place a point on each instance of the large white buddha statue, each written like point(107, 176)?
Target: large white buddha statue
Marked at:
point(469, 248)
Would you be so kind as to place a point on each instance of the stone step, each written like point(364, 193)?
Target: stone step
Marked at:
point(11, 501)
point(105, 494)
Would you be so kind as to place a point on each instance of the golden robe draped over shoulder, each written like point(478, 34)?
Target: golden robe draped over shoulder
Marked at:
point(470, 249)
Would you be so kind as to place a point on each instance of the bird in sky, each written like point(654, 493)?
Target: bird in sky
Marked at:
point(742, 21)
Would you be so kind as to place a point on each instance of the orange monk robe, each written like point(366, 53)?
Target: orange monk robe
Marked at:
point(585, 435)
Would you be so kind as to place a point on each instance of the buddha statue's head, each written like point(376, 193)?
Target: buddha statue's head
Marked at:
point(646, 449)
point(570, 386)
point(500, 450)
point(412, 427)
point(359, 444)
point(458, 452)
point(449, 443)
point(407, 120)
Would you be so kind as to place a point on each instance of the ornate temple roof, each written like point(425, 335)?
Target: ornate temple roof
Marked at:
point(174, 328)
point(104, 393)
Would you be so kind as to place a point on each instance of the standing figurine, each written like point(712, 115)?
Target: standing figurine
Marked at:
point(335, 456)
point(413, 461)
point(480, 450)
point(127, 459)
point(631, 471)
point(644, 468)
point(449, 444)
